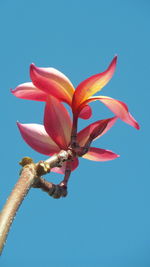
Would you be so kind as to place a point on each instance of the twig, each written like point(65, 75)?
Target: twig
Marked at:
point(73, 143)
point(67, 175)
point(56, 191)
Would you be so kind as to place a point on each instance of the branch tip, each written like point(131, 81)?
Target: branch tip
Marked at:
point(25, 161)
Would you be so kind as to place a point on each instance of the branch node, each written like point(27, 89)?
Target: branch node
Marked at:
point(58, 191)
point(42, 168)
point(51, 190)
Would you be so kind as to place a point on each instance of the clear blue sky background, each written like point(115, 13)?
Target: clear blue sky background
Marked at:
point(105, 220)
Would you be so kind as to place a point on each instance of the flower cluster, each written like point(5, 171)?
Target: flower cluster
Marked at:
point(59, 131)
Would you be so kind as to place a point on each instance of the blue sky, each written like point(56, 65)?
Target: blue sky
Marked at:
point(105, 219)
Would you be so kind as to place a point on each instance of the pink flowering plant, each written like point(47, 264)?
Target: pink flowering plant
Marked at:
point(58, 137)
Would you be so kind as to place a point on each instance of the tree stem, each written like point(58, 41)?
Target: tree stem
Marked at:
point(29, 176)
point(15, 199)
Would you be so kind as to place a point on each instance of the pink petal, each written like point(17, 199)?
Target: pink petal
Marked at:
point(36, 137)
point(29, 91)
point(98, 154)
point(52, 82)
point(119, 108)
point(57, 122)
point(93, 84)
point(85, 113)
point(74, 165)
point(97, 129)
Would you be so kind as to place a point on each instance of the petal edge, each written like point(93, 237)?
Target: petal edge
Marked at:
point(93, 84)
point(52, 82)
point(118, 107)
point(99, 154)
point(37, 138)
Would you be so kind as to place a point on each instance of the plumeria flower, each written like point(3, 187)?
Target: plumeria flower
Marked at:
point(55, 135)
point(49, 81)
